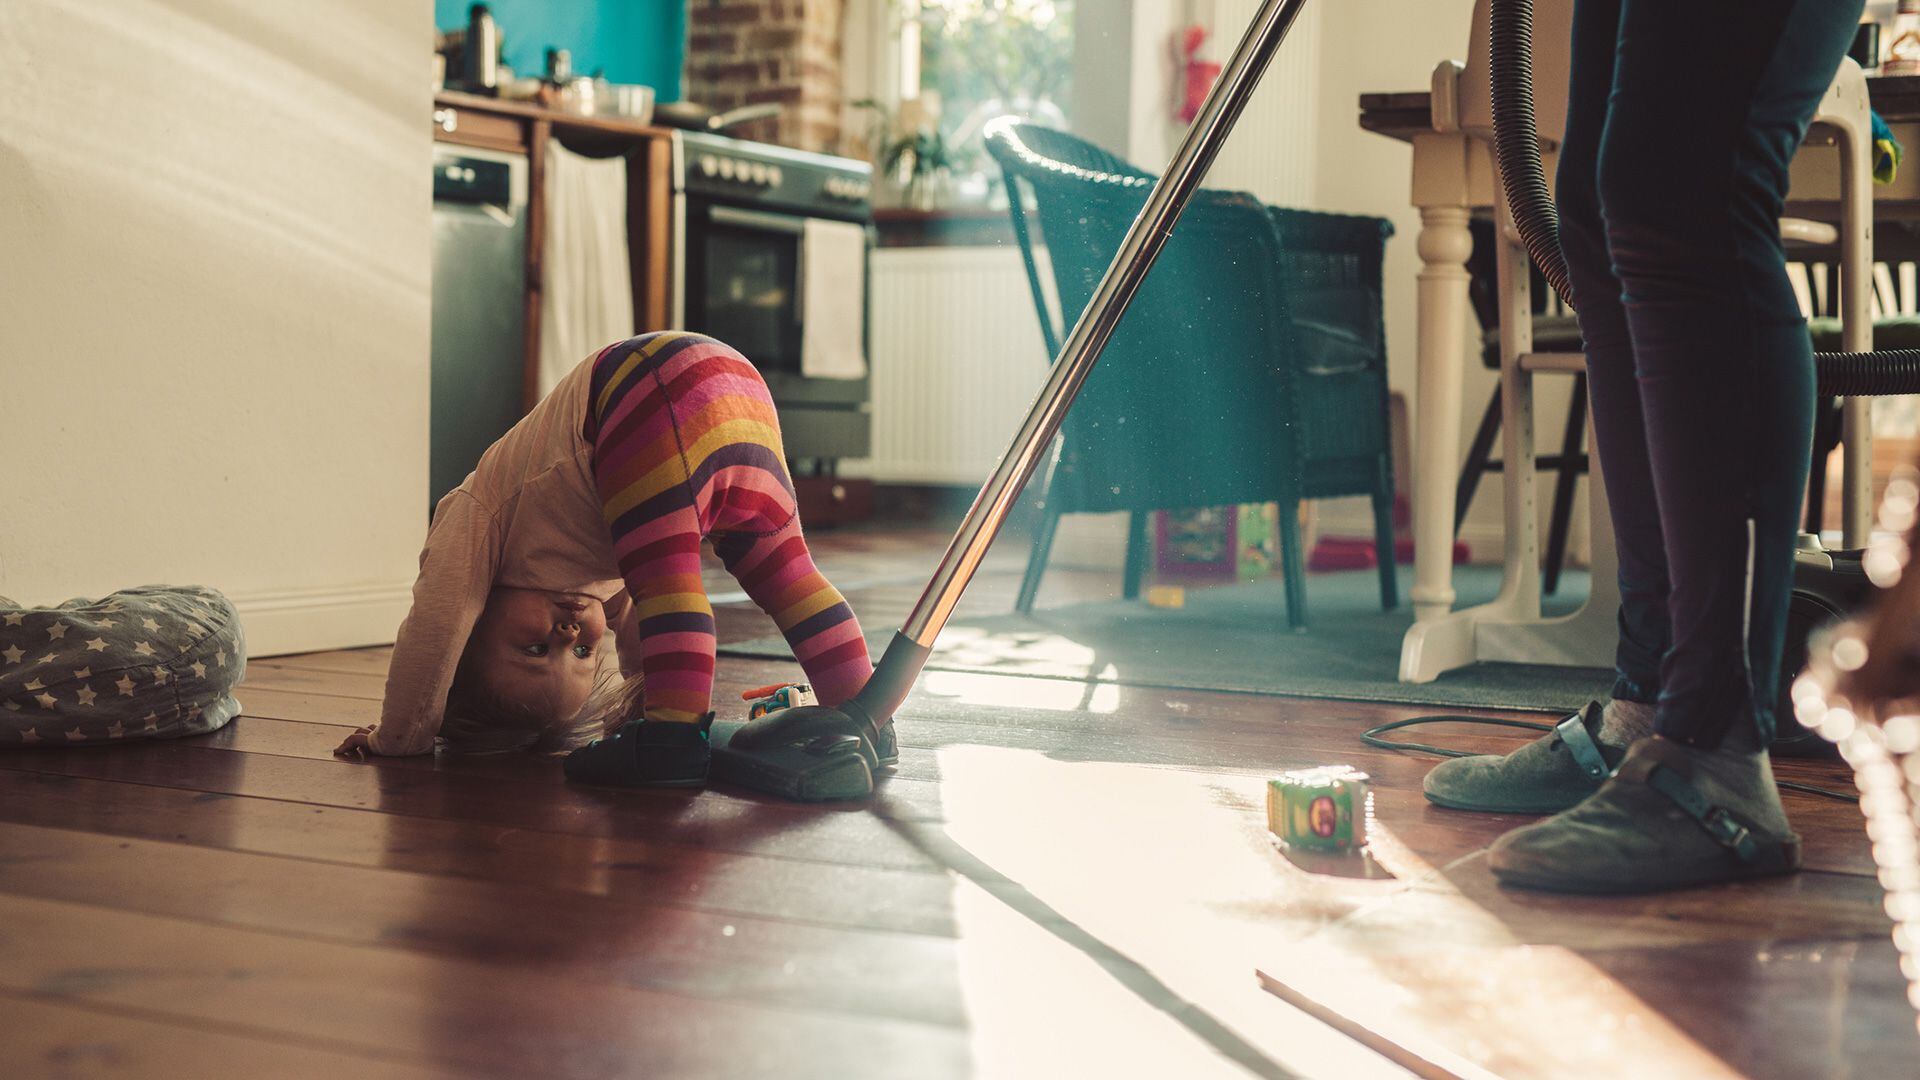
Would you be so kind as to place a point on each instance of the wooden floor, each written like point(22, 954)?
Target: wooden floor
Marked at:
point(1062, 880)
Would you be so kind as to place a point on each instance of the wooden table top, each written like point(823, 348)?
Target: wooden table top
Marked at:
point(1405, 114)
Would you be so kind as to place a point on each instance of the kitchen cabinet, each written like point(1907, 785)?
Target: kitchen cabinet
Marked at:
point(523, 128)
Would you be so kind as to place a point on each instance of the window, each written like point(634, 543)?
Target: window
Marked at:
point(961, 63)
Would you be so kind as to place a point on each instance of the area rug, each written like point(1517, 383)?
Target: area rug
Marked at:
point(1235, 638)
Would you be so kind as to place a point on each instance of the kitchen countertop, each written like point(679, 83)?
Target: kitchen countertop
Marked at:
point(572, 126)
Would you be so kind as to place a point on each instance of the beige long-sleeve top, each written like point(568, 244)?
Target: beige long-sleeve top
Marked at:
point(527, 517)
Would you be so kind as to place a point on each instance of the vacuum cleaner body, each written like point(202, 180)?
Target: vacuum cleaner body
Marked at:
point(823, 767)
point(808, 753)
point(1827, 586)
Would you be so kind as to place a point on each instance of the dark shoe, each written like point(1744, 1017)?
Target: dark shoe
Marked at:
point(1648, 829)
point(646, 753)
point(1548, 775)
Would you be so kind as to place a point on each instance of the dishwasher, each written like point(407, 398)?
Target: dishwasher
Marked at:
point(479, 307)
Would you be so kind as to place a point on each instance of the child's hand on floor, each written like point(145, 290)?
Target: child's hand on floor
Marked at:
point(357, 745)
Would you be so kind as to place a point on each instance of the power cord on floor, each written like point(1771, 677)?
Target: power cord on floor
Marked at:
point(1372, 738)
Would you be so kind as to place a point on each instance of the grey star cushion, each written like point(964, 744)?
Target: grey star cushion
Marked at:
point(152, 662)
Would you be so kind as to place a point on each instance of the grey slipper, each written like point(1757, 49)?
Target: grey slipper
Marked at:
point(1648, 829)
point(1546, 776)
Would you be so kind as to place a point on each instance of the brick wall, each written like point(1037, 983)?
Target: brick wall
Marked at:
point(743, 52)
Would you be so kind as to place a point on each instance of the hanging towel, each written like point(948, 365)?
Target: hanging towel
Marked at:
point(587, 299)
point(833, 291)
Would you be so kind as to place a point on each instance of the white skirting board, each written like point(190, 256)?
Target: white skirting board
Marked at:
point(314, 620)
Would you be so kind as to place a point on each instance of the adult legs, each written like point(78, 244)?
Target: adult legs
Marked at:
point(1691, 177)
point(1619, 426)
point(1557, 771)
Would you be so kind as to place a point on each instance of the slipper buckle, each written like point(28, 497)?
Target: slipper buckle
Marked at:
point(1719, 822)
point(1586, 754)
point(1728, 832)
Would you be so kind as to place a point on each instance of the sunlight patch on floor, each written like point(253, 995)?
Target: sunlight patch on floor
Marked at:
point(1040, 1008)
point(1539, 1010)
point(1164, 869)
point(1052, 695)
point(1172, 878)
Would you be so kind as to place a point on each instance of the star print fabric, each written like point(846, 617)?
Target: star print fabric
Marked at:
point(150, 662)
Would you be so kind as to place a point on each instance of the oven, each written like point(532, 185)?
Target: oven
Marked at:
point(773, 254)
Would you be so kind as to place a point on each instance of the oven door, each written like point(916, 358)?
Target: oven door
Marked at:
point(744, 274)
point(743, 282)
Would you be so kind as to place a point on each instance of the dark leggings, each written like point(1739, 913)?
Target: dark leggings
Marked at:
point(1683, 116)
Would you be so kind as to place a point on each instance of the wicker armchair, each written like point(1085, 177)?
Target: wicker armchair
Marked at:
point(1250, 367)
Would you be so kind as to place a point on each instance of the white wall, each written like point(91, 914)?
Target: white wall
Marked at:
point(214, 273)
point(1128, 83)
point(1271, 151)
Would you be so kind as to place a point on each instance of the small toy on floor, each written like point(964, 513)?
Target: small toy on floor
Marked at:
point(1322, 809)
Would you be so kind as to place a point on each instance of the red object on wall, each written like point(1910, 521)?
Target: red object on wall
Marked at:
point(1200, 73)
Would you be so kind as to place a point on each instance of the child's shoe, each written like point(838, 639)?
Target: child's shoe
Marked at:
point(646, 753)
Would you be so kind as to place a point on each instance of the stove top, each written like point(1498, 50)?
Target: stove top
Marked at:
point(751, 174)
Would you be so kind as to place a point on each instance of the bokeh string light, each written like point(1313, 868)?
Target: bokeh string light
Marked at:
point(1880, 736)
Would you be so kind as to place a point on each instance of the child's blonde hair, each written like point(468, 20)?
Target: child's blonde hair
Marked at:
point(480, 721)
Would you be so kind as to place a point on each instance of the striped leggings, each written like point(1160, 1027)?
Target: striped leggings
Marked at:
point(686, 446)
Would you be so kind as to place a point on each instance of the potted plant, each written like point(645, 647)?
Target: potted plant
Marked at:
point(911, 153)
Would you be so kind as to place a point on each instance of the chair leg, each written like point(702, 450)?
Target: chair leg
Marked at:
point(1383, 535)
point(1293, 564)
point(1478, 455)
point(1569, 475)
point(1137, 550)
point(1826, 436)
point(1037, 560)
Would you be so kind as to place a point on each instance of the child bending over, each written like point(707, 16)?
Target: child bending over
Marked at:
point(591, 511)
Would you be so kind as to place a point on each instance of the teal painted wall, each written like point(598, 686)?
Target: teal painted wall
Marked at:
point(629, 41)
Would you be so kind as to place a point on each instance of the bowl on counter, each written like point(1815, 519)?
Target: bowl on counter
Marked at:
point(629, 101)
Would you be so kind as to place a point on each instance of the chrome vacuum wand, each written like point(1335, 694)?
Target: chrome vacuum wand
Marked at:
point(907, 653)
point(813, 752)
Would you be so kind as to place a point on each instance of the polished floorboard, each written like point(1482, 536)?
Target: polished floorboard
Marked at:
point(1061, 880)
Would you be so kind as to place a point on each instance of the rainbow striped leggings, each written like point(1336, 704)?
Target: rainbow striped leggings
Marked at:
point(686, 446)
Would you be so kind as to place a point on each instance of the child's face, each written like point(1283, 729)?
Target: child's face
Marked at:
point(540, 651)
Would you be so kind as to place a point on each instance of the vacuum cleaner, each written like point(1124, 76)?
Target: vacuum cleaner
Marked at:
point(814, 752)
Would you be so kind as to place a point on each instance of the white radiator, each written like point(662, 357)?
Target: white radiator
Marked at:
point(1270, 152)
point(957, 358)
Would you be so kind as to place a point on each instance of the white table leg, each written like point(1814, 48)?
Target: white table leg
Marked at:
point(1444, 246)
point(1436, 641)
point(1845, 110)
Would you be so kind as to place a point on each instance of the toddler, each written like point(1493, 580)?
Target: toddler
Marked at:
point(591, 512)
